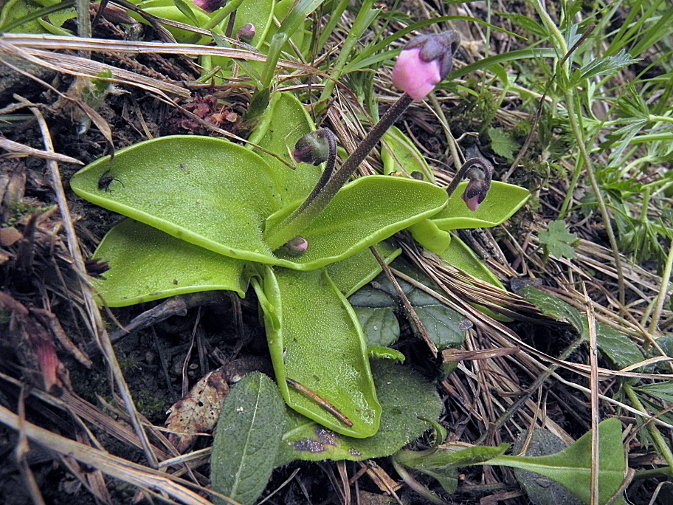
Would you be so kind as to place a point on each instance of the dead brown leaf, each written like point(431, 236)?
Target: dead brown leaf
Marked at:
point(198, 411)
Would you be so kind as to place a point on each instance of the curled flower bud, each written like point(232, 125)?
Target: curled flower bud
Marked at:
point(209, 5)
point(312, 148)
point(424, 62)
point(297, 246)
point(246, 32)
point(480, 182)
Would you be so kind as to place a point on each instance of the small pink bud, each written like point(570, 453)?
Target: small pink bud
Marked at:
point(297, 246)
point(209, 5)
point(311, 148)
point(424, 62)
point(246, 32)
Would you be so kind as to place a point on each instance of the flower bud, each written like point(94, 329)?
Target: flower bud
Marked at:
point(480, 182)
point(209, 5)
point(424, 62)
point(297, 246)
point(246, 32)
point(312, 148)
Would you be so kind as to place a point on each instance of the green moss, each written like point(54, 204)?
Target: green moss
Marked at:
point(19, 210)
point(149, 405)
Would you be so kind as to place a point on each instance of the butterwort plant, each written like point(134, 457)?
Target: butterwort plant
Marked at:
point(420, 66)
point(207, 214)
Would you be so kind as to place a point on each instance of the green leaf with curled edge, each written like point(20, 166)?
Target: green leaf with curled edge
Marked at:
point(206, 191)
point(316, 343)
point(430, 236)
point(459, 255)
point(146, 264)
point(364, 212)
point(406, 399)
point(502, 201)
point(218, 195)
point(283, 123)
point(383, 352)
point(443, 461)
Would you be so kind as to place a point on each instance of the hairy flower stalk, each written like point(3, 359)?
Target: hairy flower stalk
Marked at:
point(421, 65)
point(317, 147)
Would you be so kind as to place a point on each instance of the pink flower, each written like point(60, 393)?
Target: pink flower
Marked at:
point(479, 173)
point(414, 76)
point(424, 62)
point(475, 193)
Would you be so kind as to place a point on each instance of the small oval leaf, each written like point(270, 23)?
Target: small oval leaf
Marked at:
point(247, 438)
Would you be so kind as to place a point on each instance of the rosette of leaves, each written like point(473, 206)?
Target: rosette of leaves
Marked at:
point(199, 208)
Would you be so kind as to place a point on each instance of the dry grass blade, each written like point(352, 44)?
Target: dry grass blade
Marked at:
point(16, 149)
point(595, 413)
point(457, 355)
point(409, 309)
point(84, 67)
point(127, 471)
point(97, 326)
point(11, 43)
point(20, 452)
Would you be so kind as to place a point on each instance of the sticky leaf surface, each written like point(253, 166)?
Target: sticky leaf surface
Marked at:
point(316, 341)
point(146, 264)
point(206, 191)
point(218, 195)
point(502, 201)
point(281, 125)
point(405, 398)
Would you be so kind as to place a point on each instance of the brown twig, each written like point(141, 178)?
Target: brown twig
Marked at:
point(408, 308)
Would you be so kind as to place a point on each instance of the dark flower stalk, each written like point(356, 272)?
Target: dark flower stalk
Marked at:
point(424, 63)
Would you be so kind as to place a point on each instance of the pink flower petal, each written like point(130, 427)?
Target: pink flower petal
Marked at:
point(414, 76)
point(472, 202)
